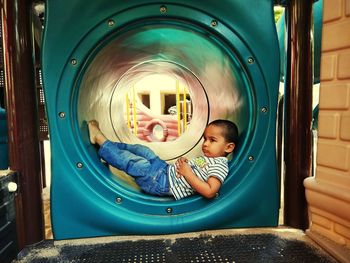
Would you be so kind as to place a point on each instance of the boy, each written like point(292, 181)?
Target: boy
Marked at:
point(203, 175)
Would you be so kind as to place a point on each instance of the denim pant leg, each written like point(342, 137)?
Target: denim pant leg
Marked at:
point(138, 149)
point(124, 160)
point(150, 174)
point(157, 181)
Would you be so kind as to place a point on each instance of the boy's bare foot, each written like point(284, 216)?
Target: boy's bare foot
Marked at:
point(96, 136)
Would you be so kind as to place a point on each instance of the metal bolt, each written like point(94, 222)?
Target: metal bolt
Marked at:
point(251, 158)
point(118, 200)
point(79, 165)
point(163, 9)
point(61, 114)
point(12, 187)
point(111, 22)
point(169, 210)
point(214, 23)
point(73, 61)
point(263, 109)
point(250, 60)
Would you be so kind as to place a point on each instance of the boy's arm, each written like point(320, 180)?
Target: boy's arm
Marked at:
point(207, 189)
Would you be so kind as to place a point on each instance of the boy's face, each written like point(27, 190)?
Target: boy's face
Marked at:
point(214, 144)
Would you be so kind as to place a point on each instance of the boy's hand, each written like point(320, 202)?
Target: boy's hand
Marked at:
point(207, 189)
point(182, 167)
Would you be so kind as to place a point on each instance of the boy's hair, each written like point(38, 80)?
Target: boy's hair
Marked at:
point(230, 130)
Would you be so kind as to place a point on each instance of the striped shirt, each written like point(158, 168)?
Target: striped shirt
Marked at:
point(203, 167)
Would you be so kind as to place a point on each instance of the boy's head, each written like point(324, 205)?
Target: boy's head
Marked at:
point(220, 138)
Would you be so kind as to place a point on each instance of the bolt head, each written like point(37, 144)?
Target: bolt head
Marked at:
point(250, 60)
point(111, 22)
point(214, 23)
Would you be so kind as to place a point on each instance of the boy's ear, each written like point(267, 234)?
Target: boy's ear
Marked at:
point(230, 147)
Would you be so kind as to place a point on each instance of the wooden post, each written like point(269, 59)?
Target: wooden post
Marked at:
point(21, 105)
point(298, 101)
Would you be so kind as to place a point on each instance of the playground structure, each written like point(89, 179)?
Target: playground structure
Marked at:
point(163, 120)
point(73, 120)
point(3, 140)
point(228, 74)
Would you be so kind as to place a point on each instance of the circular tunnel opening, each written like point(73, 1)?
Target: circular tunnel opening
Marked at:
point(161, 102)
point(159, 85)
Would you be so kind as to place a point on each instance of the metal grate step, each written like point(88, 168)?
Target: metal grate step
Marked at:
point(235, 248)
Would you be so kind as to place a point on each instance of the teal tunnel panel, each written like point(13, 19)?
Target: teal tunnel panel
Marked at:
point(317, 12)
point(226, 54)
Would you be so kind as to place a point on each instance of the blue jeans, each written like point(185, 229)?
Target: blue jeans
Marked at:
point(139, 161)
